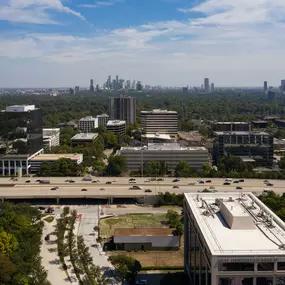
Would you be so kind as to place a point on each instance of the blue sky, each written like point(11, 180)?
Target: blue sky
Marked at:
point(64, 43)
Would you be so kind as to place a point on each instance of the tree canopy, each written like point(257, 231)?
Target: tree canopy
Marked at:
point(116, 165)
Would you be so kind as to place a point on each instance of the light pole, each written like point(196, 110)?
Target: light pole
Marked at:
point(141, 154)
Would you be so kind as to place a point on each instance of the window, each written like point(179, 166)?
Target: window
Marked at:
point(280, 281)
point(281, 266)
point(236, 266)
point(264, 281)
point(235, 280)
point(265, 266)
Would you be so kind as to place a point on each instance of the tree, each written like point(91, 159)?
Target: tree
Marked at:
point(127, 266)
point(8, 243)
point(110, 139)
point(7, 269)
point(281, 163)
point(152, 168)
point(116, 165)
point(233, 163)
point(45, 169)
point(182, 169)
point(179, 230)
point(172, 215)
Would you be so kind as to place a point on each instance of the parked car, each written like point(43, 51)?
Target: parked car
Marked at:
point(147, 191)
point(141, 282)
point(239, 188)
point(175, 186)
point(208, 181)
point(83, 190)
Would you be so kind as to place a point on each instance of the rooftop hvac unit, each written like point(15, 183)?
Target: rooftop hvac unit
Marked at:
point(231, 199)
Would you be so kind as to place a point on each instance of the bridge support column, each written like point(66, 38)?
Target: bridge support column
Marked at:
point(111, 200)
point(57, 200)
point(2, 199)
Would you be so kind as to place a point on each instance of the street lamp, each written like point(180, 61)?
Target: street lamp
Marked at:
point(140, 130)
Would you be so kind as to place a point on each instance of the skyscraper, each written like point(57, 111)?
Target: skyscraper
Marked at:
point(123, 108)
point(265, 86)
point(91, 85)
point(207, 84)
point(212, 87)
point(283, 85)
point(139, 86)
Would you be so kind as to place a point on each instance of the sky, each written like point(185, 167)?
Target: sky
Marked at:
point(63, 43)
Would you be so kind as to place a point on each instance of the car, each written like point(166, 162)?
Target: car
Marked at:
point(239, 188)
point(38, 180)
point(135, 187)
point(176, 180)
point(102, 189)
point(159, 179)
point(109, 182)
point(153, 179)
point(94, 181)
point(66, 180)
point(53, 188)
point(28, 181)
point(241, 180)
point(191, 183)
point(227, 183)
point(83, 190)
point(269, 185)
point(147, 191)
point(141, 282)
point(71, 181)
point(209, 190)
point(208, 181)
point(147, 180)
point(201, 182)
point(87, 179)
point(132, 179)
point(175, 186)
point(236, 181)
point(132, 182)
point(115, 180)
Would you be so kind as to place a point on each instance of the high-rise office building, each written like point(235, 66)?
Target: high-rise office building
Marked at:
point(139, 86)
point(21, 136)
point(265, 86)
point(283, 85)
point(212, 87)
point(271, 95)
point(71, 91)
point(76, 89)
point(91, 85)
point(134, 84)
point(123, 108)
point(128, 84)
point(207, 84)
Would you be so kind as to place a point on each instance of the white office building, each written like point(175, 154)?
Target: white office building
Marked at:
point(87, 124)
point(51, 138)
point(232, 239)
point(169, 153)
point(102, 119)
point(159, 121)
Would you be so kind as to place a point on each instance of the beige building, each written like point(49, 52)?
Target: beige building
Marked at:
point(159, 121)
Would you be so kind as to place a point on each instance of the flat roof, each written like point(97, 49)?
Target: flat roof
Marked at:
point(88, 118)
point(84, 136)
point(165, 146)
point(143, 232)
point(158, 111)
point(49, 157)
point(157, 136)
point(116, 123)
point(237, 224)
point(227, 123)
point(241, 133)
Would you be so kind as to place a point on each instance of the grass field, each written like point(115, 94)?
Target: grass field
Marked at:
point(108, 226)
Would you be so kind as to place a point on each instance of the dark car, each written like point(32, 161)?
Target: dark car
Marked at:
point(241, 180)
point(227, 183)
point(147, 191)
point(38, 180)
point(175, 187)
point(47, 237)
point(269, 184)
point(236, 181)
point(108, 182)
point(28, 181)
point(239, 188)
point(54, 188)
point(159, 179)
point(176, 180)
point(94, 181)
point(201, 182)
point(208, 181)
point(102, 189)
point(83, 190)
point(71, 181)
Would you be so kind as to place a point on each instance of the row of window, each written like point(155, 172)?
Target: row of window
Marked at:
point(243, 266)
point(12, 163)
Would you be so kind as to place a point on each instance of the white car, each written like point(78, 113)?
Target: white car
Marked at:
point(115, 180)
point(147, 180)
point(191, 183)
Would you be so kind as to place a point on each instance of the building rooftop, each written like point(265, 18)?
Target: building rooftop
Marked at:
point(50, 132)
point(51, 157)
point(102, 116)
point(237, 224)
point(20, 108)
point(143, 232)
point(240, 133)
point(157, 136)
point(116, 123)
point(259, 122)
point(84, 136)
point(158, 111)
point(164, 146)
point(230, 123)
point(88, 118)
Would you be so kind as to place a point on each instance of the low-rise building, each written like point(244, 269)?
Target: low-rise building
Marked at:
point(87, 124)
point(146, 239)
point(259, 124)
point(36, 162)
point(118, 127)
point(83, 139)
point(169, 153)
point(156, 138)
point(231, 126)
point(51, 138)
point(232, 239)
point(71, 124)
point(102, 119)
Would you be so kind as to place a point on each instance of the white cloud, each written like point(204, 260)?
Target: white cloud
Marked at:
point(101, 4)
point(33, 11)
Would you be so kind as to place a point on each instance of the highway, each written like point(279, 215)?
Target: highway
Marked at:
point(120, 189)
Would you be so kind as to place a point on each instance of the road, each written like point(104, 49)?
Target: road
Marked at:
point(120, 188)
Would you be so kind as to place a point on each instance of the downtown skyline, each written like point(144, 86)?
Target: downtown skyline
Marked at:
point(168, 43)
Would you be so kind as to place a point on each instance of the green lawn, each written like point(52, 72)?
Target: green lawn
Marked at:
point(108, 226)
